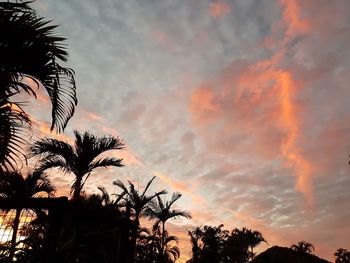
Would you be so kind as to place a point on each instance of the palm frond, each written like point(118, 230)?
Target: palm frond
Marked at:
point(14, 130)
point(53, 161)
point(147, 186)
point(30, 48)
point(51, 147)
point(121, 185)
point(18, 6)
point(105, 194)
point(176, 196)
point(38, 183)
point(105, 162)
point(179, 213)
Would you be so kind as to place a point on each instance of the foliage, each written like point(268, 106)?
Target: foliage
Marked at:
point(303, 247)
point(29, 50)
point(342, 256)
point(208, 244)
point(156, 246)
point(138, 203)
point(79, 159)
point(14, 185)
point(214, 244)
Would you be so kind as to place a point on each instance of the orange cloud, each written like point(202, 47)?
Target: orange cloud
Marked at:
point(292, 17)
point(289, 148)
point(129, 158)
point(263, 93)
point(42, 129)
point(203, 104)
point(218, 9)
point(128, 155)
point(179, 187)
point(93, 116)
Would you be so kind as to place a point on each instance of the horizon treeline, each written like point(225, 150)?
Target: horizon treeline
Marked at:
point(99, 227)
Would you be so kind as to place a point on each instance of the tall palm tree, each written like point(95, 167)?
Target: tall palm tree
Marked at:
point(162, 212)
point(138, 202)
point(81, 159)
point(303, 247)
point(29, 51)
point(15, 186)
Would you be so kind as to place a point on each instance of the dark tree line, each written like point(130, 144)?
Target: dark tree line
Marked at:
point(214, 244)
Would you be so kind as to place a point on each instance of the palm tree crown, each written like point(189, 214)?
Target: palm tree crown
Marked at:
point(29, 51)
point(162, 212)
point(342, 256)
point(150, 246)
point(137, 201)
point(249, 237)
point(80, 159)
point(15, 186)
point(303, 247)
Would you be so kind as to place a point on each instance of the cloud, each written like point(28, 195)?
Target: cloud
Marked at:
point(219, 8)
point(180, 187)
point(263, 93)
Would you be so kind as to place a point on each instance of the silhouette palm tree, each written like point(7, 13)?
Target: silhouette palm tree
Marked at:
point(194, 239)
point(29, 50)
point(303, 247)
point(156, 246)
point(137, 202)
point(249, 238)
point(342, 256)
point(80, 159)
point(13, 185)
point(162, 212)
point(208, 243)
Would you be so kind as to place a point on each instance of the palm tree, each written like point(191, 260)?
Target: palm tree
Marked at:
point(29, 50)
point(194, 238)
point(80, 159)
point(156, 246)
point(250, 238)
point(303, 247)
point(208, 243)
point(342, 256)
point(162, 212)
point(138, 203)
point(13, 185)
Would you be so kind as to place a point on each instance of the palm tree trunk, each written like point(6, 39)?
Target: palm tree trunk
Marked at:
point(134, 237)
point(162, 243)
point(14, 234)
point(77, 188)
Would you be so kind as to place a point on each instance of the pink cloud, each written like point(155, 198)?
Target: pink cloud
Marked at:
point(219, 8)
point(180, 187)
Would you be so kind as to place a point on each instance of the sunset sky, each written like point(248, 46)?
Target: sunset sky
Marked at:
point(242, 106)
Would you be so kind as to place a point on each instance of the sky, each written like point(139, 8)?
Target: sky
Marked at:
point(240, 105)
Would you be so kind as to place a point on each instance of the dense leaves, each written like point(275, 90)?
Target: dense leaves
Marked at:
point(214, 244)
point(342, 256)
point(80, 159)
point(14, 185)
point(29, 50)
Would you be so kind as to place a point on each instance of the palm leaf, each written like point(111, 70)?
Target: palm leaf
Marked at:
point(105, 162)
point(29, 47)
